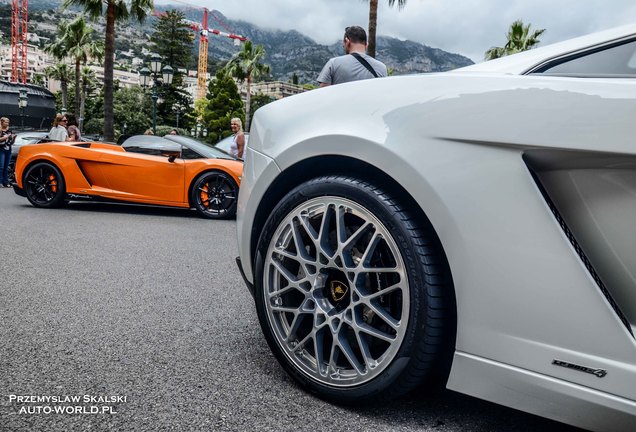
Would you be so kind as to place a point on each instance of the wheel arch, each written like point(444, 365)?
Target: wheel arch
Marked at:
point(332, 165)
point(33, 162)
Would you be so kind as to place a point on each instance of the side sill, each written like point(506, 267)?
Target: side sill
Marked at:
point(542, 395)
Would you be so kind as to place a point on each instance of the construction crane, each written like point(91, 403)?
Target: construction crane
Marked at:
point(19, 40)
point(204, 31)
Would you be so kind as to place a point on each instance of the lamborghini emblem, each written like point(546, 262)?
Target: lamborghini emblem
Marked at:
point(338, 290)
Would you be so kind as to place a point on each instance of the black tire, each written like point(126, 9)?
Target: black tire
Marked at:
point(214, 195)
point(44, 185)
point(296, 242)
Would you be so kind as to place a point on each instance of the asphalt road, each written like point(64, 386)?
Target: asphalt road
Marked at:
point(141, 314)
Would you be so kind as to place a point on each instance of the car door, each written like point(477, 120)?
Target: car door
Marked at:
point(150, 170)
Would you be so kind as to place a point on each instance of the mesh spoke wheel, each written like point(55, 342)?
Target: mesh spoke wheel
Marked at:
point(353, 292)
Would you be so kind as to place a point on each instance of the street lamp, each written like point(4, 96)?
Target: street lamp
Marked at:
point(177, 110)
point(23, 101)
point(155, 76)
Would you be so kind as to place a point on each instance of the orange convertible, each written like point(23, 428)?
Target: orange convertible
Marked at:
point(174, 171)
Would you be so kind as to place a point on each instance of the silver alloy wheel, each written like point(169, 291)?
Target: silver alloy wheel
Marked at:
point(336, 291)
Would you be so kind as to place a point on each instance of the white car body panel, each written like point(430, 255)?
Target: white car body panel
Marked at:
point(456, 142)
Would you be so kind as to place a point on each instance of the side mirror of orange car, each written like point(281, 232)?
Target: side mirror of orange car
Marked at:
point(171, 158)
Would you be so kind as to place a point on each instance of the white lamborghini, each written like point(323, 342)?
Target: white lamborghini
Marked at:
point(474, 229)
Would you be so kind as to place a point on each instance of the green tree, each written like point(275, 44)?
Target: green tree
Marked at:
point(246, 65)
point(89, 84)
point(115, 10)
point(373, 22)
point(518, 38)
point(38, 80)
point(222, 102)
point(173, 39)
point(131, 107)
point(75, 41)
point(174, 96)
point(62, 73)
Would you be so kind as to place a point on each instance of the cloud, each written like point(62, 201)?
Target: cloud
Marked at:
point(467, 27)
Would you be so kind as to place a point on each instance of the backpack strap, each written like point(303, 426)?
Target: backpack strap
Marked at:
point(365, 63)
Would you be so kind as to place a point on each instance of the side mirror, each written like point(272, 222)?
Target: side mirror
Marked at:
point(171, 158)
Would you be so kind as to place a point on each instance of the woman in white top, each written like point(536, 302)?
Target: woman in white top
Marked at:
point(58, 131)
point(238, 140)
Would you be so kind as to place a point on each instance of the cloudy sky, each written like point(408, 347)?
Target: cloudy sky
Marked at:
point(467, 27)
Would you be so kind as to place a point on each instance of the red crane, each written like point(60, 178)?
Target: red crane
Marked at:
point(203, 30)
point(19, 39)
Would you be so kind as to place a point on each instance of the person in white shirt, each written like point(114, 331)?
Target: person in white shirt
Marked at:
point(58, 131)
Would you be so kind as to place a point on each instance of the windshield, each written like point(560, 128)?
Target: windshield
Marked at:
point(204, 149)
point(31, 138)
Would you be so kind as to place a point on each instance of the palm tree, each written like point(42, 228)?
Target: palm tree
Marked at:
point(246, 65)
point(88, 83)
point(115, 10)
point(62, 73)
point(373, 22)
point(75, 41)
point(519, 39)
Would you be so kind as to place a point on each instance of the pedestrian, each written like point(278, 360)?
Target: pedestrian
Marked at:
point(238, 139)
point(72, 128)
point(355, 64)
point(174, 132)
point(7, 137)
point(58, 132)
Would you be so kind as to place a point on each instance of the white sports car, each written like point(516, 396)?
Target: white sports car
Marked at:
point(474, 229)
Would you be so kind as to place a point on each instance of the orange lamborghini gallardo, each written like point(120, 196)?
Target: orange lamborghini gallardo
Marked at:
point(174, 171)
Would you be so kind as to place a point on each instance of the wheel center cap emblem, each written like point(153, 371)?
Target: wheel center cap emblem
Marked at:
point(338, 290)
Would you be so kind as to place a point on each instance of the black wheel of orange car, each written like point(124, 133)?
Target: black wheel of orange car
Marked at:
point(353, 293)
point(44, 185)
point(214, 195)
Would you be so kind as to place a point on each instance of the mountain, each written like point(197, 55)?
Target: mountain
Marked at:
point(289, 53)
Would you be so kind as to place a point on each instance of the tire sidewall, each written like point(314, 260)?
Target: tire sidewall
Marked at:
point(364, 195)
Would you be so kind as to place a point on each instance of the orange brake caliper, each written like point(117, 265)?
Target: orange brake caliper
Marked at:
point(204, 196)
point(53, 183)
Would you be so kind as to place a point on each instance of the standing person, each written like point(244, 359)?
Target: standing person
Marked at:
point(72, 128)
point(7, 137)
point(58, 131)
point(238, 140)
point(355, 64)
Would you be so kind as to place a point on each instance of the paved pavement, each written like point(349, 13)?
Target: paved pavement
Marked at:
point(141, 314)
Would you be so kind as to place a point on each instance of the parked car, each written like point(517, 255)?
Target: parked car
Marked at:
point(171, 171)
point(226, 143)
point(471, 229)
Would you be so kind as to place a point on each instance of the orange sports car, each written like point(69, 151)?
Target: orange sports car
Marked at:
point(173, 171)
